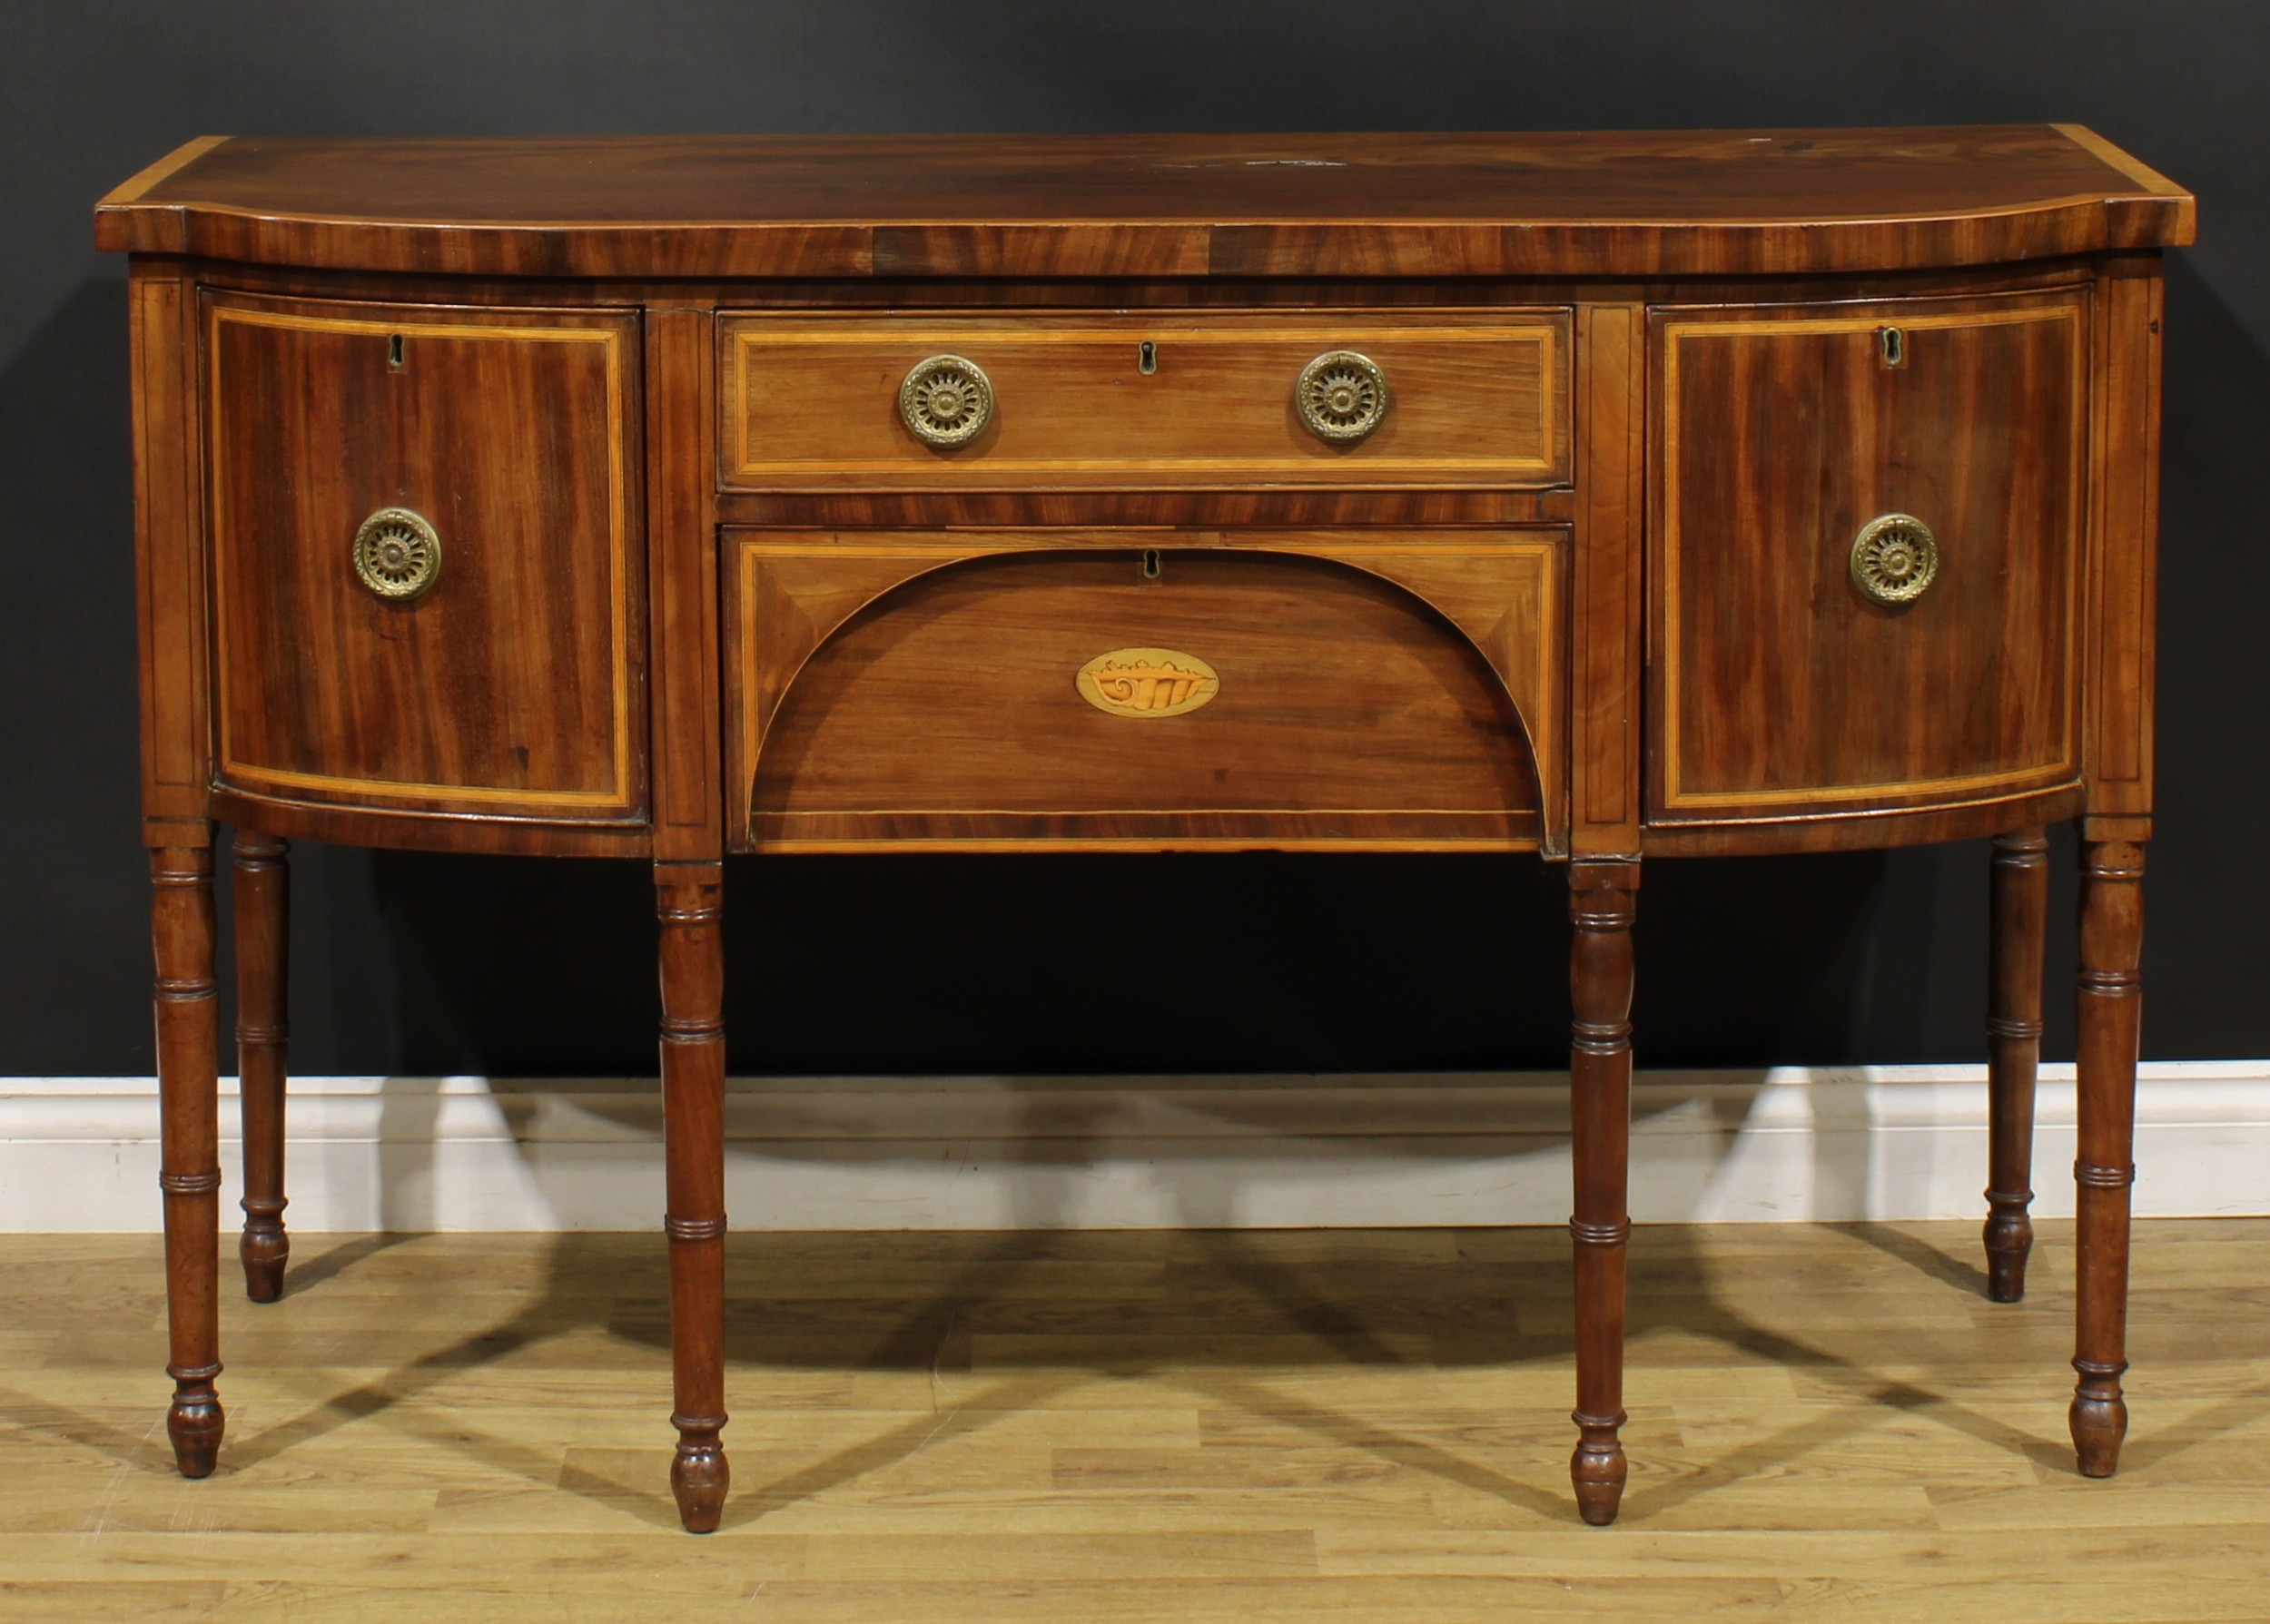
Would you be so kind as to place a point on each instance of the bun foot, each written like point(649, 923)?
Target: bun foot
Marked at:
point(1597, 1470)
point(194, 1425)
point(700, 1478)
point(2010, 1240)
point(2099, 1421)
point(2006, 1278)
point(264, 1252)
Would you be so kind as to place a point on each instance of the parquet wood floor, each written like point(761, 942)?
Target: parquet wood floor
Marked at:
point(1829, 1422)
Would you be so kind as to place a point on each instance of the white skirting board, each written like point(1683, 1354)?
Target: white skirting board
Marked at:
point(81, 1154)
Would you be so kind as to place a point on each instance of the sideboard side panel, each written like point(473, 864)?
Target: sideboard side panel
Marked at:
point(2124, 519)
point(170, 551)
point(681, 559)
point(1604, 645)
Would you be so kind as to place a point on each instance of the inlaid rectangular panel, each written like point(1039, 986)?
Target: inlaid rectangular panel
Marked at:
point(813, 402)
point(1015, 688)
point(509, 685)
point(1781, 683)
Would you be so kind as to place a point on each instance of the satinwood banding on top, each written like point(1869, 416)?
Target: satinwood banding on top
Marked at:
point(1589, 204)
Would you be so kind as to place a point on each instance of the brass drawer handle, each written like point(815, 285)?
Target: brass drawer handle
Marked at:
point(946, 401)
point(1342, 396)
point(1895, 558)
point(398, 553)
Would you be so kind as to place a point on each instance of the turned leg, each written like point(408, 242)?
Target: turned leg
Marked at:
point(688, 897)
point(2019, 907)
point(188, 1038)
point(1600, 1092)
point(263, 903)
point(2110, 1002)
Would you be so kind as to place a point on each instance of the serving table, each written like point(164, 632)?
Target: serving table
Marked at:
point(1604, 497)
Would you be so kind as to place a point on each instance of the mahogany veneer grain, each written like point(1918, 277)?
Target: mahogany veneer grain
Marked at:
point(1638, 203)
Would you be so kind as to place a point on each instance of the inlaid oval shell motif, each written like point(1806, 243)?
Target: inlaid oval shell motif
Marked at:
point(1146, 682)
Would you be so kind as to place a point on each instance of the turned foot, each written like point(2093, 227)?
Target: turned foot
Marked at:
point(1597, 1470)
point(2098, 1419)
point(688, 897)
point(264, 1248)
point(195, 1424)
point(1600, 1106)
point(700, 1478)
point(182, 929)
point(2112, 921)
point(2019, 897)
point(2009, 1241)
point(263, 907)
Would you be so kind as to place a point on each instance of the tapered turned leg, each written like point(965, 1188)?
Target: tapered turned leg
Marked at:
point(1600, 1090)
point(2110, 1003)
point(263, 906)
point(2019, 907)
point(188, 1038)
point(688, 897)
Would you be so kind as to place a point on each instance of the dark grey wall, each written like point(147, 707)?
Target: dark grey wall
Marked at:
point(407, 962)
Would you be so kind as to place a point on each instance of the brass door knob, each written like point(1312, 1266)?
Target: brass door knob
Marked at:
point(1895, 559)
point(1342, 396)
point(946, 401)
point(398, 553)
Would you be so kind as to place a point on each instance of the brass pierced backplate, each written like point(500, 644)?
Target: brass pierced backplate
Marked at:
point(1147, 682)
point(946, 401)
point(1895, 559)
point(1342, 396)
point(398, 554)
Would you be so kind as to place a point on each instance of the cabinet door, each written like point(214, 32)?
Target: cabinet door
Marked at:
point(488, 665)
point(1783, 684)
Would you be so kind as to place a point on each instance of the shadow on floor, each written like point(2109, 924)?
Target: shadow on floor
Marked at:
point(1217, 1311)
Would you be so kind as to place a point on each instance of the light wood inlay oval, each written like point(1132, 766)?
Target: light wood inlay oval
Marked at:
point(1147, 682)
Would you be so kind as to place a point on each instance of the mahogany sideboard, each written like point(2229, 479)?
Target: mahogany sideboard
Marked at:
point(1604, 497)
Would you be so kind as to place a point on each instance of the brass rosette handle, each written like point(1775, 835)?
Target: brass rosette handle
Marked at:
point(1342, 396)
point(398, 553)
point(1895, 559)
point(946, 401)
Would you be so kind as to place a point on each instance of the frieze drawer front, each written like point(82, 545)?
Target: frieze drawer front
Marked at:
point(1596, 497)
point(1049, 401)
point(426, 561)
point(1011, 688)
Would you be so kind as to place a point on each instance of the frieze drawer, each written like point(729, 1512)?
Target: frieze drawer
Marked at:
point(1171, 400)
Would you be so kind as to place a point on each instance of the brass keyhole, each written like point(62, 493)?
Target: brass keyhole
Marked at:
point(1150, 564)
point(1892, 344)
point(1147, 357)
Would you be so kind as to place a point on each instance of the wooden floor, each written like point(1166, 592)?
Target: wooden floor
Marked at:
point(1827, 1422)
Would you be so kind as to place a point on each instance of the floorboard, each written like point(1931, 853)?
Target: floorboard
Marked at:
point(1828, 1423)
